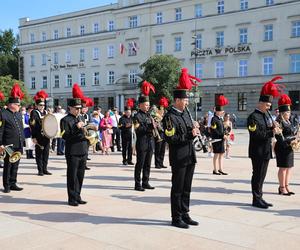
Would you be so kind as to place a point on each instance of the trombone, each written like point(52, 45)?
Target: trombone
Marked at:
point(14, 156)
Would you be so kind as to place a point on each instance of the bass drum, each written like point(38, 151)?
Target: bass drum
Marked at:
point(50, 126)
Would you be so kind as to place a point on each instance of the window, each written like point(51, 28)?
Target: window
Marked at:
point(82, 79)
point(199, 70)
point(295, 97)
point(95, 53)
point(243, 68)
point(177, 43)
point(243, 36)
point(68, 33)
point(55, 58)
point(268, 65)
point(33, 82)
point(220, 6)
point(32, 38)
point(159, 18)
point(44, 82)
point(220, 38)
point(133, 22)
point(199, 41)
point(82, 30)
point(96, 101)
point(32, 60)
point(111, 25)
point(81, 55)
point(110, 101)
point(296, 29)
point(198, 10)
point(132, 76)
point(55, 34)
point(111, 77)
point(44, 37)
point(295, 63)
point(96, 27)
point(219, 69)
point(268, 32)
point(68, 57)
point(44, 59)
point(269, 2)
point(244, 4)
point(158, 46)
point(56, 81)
point(132, 49)
point(96, 78)
point(178, 14)
point(242, 101)
point(111, 51)
point(69, 81)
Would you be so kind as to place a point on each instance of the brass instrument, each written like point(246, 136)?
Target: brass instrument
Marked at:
point(156, 119)
point(14, 156)
point(295, 144)
point(90, 132)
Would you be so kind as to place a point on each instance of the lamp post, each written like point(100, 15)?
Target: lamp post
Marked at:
point(50, 99)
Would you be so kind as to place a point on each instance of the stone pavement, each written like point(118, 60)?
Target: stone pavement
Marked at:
point(117, 217)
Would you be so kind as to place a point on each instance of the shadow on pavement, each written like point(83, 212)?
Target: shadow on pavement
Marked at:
point(287, 212)
point(8, 199)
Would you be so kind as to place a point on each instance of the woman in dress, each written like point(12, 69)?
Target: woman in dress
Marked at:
point(96, 121)
point(283, 149)
point(106, 126)
point(228, 133)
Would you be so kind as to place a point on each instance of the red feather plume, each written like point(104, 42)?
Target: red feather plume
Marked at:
point(40, 95)
point(2, 97)
point(146, 88)
point(130, 103)
point(222, 101)
point(88, 102)
point(272, 88)
point(16, 92)
point(284, 100)
point(77, 92)
point(187, 81)
point(164, 102)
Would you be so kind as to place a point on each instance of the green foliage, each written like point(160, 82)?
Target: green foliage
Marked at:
point(6, 83)
point(163, 72)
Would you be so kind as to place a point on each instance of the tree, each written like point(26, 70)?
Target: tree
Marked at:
point(6, 83)
point(163, 72)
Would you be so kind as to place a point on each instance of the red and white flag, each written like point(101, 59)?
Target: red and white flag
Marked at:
point(122, 48)
point(134, 46)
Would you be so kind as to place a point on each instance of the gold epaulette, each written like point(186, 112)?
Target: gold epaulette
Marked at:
point(62, 133)
point(252, 128)
point(1, 124)
point(170, 133)
point(214, 126)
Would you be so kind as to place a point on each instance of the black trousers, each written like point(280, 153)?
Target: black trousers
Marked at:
point(60, 145)
point(143, 162)
point(181, 188)
point(160, 148)
point(41, 157)
point(259, 167)
point(116, 139)
point(10, 171)
point(75, 174)
point(127, 147)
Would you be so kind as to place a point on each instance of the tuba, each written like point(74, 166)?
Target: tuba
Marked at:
point(14, 156)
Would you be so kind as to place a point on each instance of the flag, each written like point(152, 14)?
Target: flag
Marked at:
point(134, 46)
point(122, 48)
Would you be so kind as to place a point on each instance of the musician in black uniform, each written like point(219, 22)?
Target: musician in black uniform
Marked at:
point(76, 146)
point(144, 126)
point(261, 131)
point(11, 132)
point(86, 119)
point(179, 134)
point(218, 132)
point(42, 143)
point(125, 125)
point(283, 147)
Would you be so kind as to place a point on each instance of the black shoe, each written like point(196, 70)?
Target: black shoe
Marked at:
point(86, 168)
point(82, 202)
point(6, 190)
point(139, 188)
point(88, 159)
point(180, 223)
point(31, 157)
point(125, 163)
point(267, 203)
point(60, 153)
point(158, 167)
point(119, 150)
point(164, 166)
point(41, 174)
point(282, 193)
point(16, 188)
point(47, 173)
point(222, 173)
point(130, 163)
point(1, 166)
point(216, 173)
point(260, 204)
point(187, 219)
point(73, 203)
point(147, 186)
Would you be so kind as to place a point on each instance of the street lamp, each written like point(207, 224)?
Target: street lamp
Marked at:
point(50, 99)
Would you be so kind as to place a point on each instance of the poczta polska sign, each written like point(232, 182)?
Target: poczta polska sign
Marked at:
point(239, 49)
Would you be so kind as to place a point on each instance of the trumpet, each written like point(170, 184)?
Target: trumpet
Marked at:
point(295, 144)
point(155, 130)
point(14, 156)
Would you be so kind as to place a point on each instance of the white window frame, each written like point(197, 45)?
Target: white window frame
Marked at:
point(33, 82)
point(44, 59)
point(56, 81)
point(82, 79)
point(268, 65)
point(96, 53)
point(220, 38)
point(221, 6)
point(110, 77)
point(198, 10)
point(68, 57)
point(219, 69)
point(68, 32)
point(295, 63)
point(55, 58)
point(111, 25)
point(32, 37)
point(32, 60)
point(159, 17)
point(178, 44)
point(55, 35)
point(133, 76)
point(244, 4)
point(82, 30)
point(178, 14)
point(243, 35)
point(44, 82)
point(268, 32)
point(133, 21)
point(96, 27)
point(296, 28)
point(82, 55)
point(269, 2)
point(96, 79)
point(243, 68)
point(199, 70)
point(110, 51)
point(158, 46)
point(44, 36)
point(69, 81)
point(198, 41)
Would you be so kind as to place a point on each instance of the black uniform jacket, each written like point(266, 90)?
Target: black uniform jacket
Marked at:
point(260, 136)
point(35, 123)
point(125, 131)
point(144, 131)
point(11, 129)
point(76, 143)
point(288, 134)
point(217, 128)
point(181, 148)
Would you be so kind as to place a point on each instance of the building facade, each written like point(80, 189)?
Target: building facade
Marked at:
point(233, 45)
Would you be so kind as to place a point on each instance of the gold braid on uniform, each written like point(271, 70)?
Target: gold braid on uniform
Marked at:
point(170, 130)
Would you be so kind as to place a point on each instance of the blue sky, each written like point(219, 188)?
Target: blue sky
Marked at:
point(12, 10)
